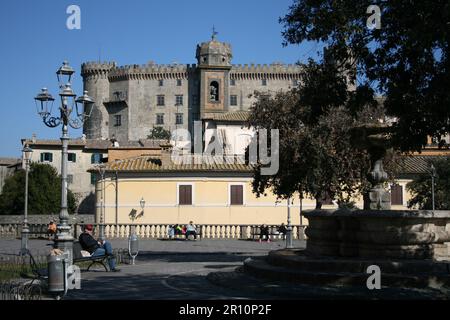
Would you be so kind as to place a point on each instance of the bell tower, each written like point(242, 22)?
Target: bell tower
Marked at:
point(214, 63)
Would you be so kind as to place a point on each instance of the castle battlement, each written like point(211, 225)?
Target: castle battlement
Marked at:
point(151, 71)
point(97, 69)
point(274, 71)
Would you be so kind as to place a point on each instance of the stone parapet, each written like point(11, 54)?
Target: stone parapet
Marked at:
point(379, 234)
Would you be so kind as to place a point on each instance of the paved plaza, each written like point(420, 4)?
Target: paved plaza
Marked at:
point(201, 270)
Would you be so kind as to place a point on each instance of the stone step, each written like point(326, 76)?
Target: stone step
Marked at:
point(298, 259)
point(260, 267)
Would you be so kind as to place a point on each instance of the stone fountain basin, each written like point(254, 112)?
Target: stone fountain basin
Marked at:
point(398, 234)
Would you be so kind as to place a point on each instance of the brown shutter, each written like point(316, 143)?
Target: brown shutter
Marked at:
point(396, 194)
point(236, 196)
point(185, 194)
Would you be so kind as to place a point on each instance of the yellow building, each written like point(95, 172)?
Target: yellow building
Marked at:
point(209, 193)
point(152, 190)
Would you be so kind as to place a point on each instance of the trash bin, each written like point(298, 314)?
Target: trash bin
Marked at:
point(56, 261)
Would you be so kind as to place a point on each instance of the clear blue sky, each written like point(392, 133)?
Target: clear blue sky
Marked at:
point(35, 41)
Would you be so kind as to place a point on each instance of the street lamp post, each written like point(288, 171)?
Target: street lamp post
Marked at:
point(289, 240)
point(69, 103)
point(27, 152)
point(433, 175)
point(101, 171)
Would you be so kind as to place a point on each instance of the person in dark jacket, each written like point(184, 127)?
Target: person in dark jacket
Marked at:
point(264, 232)
point(96, 247)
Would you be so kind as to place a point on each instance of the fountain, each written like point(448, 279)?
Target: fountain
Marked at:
point(411, 247)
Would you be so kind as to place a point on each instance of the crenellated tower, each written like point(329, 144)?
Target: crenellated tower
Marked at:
point(95, 80)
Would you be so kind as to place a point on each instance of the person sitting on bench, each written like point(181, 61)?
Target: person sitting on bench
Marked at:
point(97, 248)
point(191, 229)
point(51, 229)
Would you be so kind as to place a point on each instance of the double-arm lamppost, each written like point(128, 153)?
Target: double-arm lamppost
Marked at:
point(71, 113)
point(27, 152)
point(101, 170)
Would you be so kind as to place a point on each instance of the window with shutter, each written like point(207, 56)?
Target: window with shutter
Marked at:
point(72, 157)
point(236, 195)
point(185, 195)
point(396, 194)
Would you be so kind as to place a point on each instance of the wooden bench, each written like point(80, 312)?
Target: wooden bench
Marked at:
point(198, 232)
point(78, 257)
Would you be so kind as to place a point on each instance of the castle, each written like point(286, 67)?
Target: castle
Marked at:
point(131, 100)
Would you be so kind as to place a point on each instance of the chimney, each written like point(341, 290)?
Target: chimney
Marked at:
point(166, 152)
point(33, 138)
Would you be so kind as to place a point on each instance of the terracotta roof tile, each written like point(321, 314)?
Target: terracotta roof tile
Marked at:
point(180, 164)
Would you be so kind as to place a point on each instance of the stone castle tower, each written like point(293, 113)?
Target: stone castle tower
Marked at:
point(130, 100)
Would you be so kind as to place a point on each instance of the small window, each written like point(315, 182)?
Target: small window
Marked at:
point(71, 157)
point(236, 195)
point(179, 118)
point(179, 82)
point(70, 178)
point(264, 82)
point(185, 195)
point(160, 118)
point(93, 178)
point(179, 100)
point(232, 82)
point(233, 100)
point(396, 195)
point(96, 158)
point(161, 82)
point(117, 120)
point(46, 157)
point(160, 100)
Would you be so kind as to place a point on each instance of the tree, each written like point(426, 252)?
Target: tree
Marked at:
point(316, 153)
point(420, 188)
point(44, 192)
point(159, 133)
point(407, 60)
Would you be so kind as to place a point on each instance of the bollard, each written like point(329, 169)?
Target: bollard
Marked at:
point(133, 246)
point(56, 272)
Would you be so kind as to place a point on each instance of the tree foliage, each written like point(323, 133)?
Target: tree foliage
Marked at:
point(159, 133)
point(407, 60)
point(421, 190)
point(316, 153)
point(44, 192)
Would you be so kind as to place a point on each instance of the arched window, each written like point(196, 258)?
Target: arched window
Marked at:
point(214, 91)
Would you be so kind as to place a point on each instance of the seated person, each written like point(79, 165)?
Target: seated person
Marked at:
point(171, 231)
point(191, 229)
point(282, 230)
point(96, 247)
point(51, 229)
point(178, 230)
point(264, 231)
